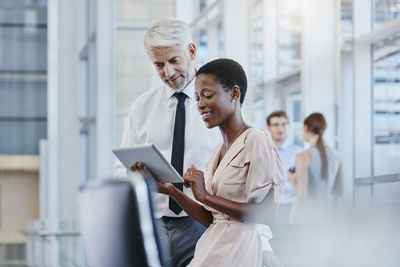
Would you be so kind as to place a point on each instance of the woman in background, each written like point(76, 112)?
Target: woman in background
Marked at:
point(318, 176)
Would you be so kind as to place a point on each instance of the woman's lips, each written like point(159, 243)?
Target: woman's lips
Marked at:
point(206, 115)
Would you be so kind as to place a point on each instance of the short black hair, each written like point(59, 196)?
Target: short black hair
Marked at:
point(279, 113)
point(228, 73)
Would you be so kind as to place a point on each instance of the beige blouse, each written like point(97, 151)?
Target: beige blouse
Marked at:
point(247, 172)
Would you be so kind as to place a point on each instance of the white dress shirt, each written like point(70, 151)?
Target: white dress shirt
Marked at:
point(288, 152)
point(151, 120)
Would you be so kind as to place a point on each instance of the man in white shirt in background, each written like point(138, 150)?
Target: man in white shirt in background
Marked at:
point(168, 117)
point(277, 124)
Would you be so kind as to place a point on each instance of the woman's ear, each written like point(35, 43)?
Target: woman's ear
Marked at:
point(235, 93)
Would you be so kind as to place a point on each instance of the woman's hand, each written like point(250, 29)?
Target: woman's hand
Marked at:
point(164, 188)
point(195, 179)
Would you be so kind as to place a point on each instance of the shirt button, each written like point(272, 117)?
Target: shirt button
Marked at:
point(241, 164)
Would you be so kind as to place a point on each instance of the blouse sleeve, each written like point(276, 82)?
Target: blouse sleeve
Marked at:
point(265, 170)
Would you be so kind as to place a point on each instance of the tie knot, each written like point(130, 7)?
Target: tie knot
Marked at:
point(181, 97)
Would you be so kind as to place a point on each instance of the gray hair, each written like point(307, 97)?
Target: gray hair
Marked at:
point(168, 32)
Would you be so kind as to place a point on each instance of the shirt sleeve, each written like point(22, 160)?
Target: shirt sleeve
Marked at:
point(265, 170)
point(129, 138)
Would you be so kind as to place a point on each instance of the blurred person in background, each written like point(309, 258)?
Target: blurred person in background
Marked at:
point(277, 125)
point(319, 175)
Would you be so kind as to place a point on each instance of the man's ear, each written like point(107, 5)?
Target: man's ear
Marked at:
point(192, 51)
point(235, 93)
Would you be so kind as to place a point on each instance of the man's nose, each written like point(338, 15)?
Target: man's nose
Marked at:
point(168, 70)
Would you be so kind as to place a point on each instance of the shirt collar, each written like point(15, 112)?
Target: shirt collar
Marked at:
point(285, 145)
point(188, 91)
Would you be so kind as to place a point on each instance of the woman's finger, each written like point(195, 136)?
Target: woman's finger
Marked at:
point(189, 179)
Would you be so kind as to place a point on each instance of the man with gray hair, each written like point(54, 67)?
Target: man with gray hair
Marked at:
point(167, 116)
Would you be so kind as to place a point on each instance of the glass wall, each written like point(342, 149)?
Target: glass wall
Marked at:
point(295, 132)
point(289, 35)
point(23, 75)
point(202, 51)
point(207, 30)
point(346, 23)
point(257, 61)
point(257, 39)
point(385, 11)
point(134, 71)
point(386, 106)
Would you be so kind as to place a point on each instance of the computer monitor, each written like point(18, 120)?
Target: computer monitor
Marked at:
point(118, 226)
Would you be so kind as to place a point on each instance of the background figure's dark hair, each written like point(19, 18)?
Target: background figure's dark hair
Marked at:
point(279, 113)
point(228, 73)
point(316, 124)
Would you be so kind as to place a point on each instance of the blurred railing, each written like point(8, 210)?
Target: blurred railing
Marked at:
point(370, 182)
point(53, 247)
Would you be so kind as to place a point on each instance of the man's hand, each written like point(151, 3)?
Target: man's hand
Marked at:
point(195, 179)
point(164, 188)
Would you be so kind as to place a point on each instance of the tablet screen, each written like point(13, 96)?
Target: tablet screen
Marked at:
point(152, 158)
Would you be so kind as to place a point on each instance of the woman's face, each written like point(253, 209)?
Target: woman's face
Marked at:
point(214, 103)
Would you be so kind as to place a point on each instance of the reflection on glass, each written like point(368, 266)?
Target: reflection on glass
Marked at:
point(23, 76)
point(385, 11)
point(289, 38)
point(386, 106)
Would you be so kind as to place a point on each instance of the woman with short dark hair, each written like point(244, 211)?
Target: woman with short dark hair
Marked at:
point(241, 189)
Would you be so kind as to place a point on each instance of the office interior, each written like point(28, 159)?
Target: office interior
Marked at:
point(70, 69)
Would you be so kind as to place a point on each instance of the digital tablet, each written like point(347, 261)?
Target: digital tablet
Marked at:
point(152, 158)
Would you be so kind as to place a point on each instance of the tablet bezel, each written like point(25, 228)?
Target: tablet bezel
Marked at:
point(152, 158)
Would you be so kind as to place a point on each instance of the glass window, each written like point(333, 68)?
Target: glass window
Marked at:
point(385, 11)
point(289, 38)
point(347, 13)
point(134, 71)
point(220, 40)
point(202, 5)
point(257, 36)
point(202, 51)
point(23, 76)
point(257, 62)
point(347, 24)
point(386, 106)
point(295, 133)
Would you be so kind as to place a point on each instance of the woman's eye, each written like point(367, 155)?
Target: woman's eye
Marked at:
point(208, 96)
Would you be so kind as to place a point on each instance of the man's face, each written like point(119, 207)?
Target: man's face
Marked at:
point(278, 128)
point(174, 65)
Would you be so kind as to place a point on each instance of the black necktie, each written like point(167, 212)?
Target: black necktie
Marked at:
point(178, 146)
